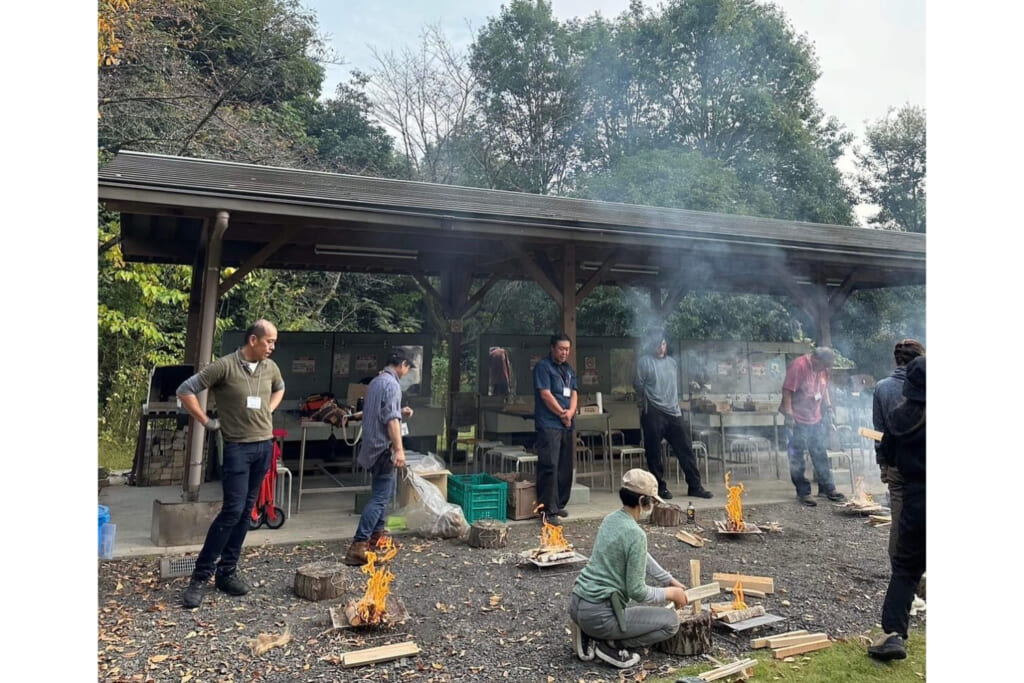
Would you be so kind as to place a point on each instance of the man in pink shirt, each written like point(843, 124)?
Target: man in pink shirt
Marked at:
point(804, 399)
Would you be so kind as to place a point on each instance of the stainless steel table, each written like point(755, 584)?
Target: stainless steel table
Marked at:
point(724, 421)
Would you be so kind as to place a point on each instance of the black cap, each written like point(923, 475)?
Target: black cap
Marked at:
point(913, 385)
point(399, 356)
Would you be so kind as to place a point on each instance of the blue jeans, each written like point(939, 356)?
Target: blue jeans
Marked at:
point(382, 489)
point(245, 465)
point(810, 438)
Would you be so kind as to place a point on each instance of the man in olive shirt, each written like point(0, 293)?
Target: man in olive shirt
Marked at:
point(248, 387)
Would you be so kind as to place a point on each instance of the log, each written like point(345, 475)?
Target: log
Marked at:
point(692, 539)
point(488, 533)
point(666, 515)
point(695, 580)
point(705, 591)
point(763, 642)
point(321, 580)
point(352, 613)
point(765, 584)
point(693, 636)
point(800, 649)
point(384, 653)
point(742, 614)
point(870, 433)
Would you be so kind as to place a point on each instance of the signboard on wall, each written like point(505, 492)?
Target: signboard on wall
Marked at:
point(305, 365)
point(341, 364)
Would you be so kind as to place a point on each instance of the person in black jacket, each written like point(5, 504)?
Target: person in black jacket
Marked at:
point(905, 444)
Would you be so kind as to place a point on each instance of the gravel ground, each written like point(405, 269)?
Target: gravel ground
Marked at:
point(475, 614)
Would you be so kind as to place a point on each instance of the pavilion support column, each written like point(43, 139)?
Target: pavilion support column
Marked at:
point(208, 317)
point(455, 285)
point(195, 299)
point(569, 298)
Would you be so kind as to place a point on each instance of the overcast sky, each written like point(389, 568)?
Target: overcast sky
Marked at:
point(871, 52)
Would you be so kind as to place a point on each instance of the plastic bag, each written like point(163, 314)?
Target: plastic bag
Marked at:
point(430, 514)
point(428, 463)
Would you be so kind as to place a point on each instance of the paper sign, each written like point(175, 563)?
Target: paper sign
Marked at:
point(366, 363)
point(304, 366)
point(341, 363)
point(724, 369)
point(757, 369)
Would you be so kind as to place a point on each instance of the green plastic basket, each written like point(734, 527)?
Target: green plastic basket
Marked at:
point(481, 496)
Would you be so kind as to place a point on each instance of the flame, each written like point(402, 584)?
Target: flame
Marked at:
point(551, 537)
point(859, 494)
point(738, 602)
point(373, 605)
point(734, 507)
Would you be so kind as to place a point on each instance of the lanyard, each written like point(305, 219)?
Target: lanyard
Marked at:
point(245, 372)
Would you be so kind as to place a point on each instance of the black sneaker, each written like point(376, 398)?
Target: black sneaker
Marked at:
point(836, 497)
point(665, 494)
point(195, 593)
point(232, 584)
point(700, 493)
point(808, 501)
point(552, 519)
point(582, 643)
point(890, 648)
point(609, 651)
point(561, 513)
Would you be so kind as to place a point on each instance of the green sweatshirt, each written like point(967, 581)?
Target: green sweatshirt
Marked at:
point(618, 563)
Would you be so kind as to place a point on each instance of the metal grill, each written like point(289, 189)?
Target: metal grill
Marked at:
point(171, 567)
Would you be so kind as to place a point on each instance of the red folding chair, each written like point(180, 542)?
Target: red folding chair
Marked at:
point(264, 511)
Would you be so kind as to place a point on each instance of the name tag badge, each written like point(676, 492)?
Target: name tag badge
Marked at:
point(567, 392)
point(405, 429)
point(817, 396)
point(253, 402)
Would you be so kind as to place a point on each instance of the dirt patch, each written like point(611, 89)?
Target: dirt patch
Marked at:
point(475, 613)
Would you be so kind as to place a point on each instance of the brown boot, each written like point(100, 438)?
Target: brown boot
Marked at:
point(378, 536)
point(356, 555)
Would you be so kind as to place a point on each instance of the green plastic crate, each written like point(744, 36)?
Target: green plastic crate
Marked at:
point(481, 496)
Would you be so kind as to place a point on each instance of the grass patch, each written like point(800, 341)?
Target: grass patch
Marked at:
point(115, 454)
point(844, 662)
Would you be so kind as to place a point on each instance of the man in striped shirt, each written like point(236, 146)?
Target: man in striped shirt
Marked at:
point(381, 451)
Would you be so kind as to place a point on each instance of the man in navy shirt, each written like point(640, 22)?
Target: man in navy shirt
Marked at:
point(554, 407)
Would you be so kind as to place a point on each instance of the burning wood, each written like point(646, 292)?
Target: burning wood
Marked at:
point(553, 545)
point(372, 608)
point(737, 592)
point(734, 507)
point(860, 495)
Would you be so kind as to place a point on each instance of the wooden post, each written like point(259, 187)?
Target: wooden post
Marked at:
point(695, 581)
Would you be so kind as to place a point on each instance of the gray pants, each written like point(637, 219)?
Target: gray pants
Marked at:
point(645, 624)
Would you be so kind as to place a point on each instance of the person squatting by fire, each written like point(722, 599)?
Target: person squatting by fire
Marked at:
point(604, 622)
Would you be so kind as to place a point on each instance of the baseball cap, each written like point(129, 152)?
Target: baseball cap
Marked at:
point(642, 482)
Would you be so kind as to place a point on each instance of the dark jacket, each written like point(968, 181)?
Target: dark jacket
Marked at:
point(904, 444)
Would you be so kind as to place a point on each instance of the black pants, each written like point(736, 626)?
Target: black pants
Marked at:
point(556, 451)
point(658, 425)
point(908, 562)
point(245, 465)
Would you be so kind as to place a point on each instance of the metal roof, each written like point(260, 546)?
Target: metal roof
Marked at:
point(384, 225)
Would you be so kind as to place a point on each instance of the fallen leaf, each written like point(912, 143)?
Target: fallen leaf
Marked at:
point(156, 659)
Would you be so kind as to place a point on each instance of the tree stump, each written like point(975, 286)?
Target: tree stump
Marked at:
point(666, 515)
point(693, 636)
point(488, 533)
point(320, 580)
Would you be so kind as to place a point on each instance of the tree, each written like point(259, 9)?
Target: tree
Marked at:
point(528, 71)
point(893, 169)
point(426, 96)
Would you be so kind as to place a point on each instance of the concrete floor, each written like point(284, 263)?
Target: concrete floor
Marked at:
point(330, 516)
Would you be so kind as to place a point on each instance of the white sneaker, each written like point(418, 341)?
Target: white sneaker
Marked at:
point(917, 606)
point(620, 658)
point(582, 643)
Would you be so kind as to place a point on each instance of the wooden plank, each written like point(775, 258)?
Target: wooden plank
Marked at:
point(747, 592)
point(763, 642)
point(687, 537)
point(799, 649)
point(777, 642)
point(705, 591)
point(694, 580)
point(870, 434)
point(765, 584)
point(384, 653)
point(727, 669)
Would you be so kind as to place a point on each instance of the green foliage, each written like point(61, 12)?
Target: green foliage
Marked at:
point(893, 168)
point(717, 316)
point(870, 323)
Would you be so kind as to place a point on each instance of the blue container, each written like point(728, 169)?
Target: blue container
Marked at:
point(104, 518)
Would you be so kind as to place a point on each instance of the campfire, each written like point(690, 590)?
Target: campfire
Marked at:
point(553, 548)
point(737, 591)
point(859, 494)
point(734, 507)
point(372, 607)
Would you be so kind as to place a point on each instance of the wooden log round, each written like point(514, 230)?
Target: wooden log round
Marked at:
point(488, 533)
point(322, 580)
point(693, 636)
point(666, 515)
